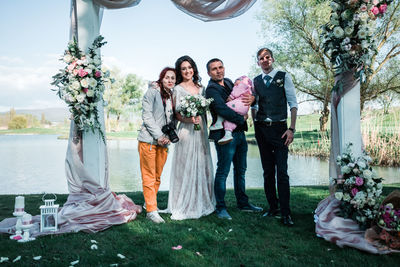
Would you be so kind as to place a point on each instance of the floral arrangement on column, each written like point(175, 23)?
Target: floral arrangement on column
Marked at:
point(348, 36)
point(81, 84)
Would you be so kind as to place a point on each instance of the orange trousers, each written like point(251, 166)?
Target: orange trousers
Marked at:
point(152, 160)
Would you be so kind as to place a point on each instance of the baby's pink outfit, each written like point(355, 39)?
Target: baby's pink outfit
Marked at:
point(236, 104)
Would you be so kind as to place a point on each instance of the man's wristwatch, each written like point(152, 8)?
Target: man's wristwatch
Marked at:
point(293, 130)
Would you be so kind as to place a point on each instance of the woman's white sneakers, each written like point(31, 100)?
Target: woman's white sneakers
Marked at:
point(155, 217)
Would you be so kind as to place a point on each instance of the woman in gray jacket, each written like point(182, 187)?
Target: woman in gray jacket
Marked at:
point(154, 137)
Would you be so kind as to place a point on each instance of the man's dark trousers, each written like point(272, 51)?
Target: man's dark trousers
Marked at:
point(274, 152)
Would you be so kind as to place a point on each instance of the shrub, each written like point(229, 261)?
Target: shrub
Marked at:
point(18, 122)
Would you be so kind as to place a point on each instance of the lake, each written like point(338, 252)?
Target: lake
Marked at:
point(36, 163)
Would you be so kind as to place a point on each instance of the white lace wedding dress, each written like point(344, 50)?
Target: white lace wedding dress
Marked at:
point(191, 192)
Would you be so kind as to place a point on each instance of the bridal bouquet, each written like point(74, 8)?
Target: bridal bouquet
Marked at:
point(81, 84)
point(348, 36)
point(194, 105)
point(359, 189)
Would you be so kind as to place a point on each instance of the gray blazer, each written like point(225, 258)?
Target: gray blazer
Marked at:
point(153, 116)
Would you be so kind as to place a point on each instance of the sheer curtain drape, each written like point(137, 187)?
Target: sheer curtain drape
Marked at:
point(205, 10)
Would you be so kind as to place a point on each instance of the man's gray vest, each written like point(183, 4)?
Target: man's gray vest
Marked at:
point(272, 101)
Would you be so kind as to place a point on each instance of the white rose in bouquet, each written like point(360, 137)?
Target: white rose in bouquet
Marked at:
point(76, 85)
point(85, 83)
point(339, 195)
point(92, 82)
point(67, 58)
point(90, 93)
point(367, 174)
point(81, 98)
point(346, 169)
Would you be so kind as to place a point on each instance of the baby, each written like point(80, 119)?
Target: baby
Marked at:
point(243, 85)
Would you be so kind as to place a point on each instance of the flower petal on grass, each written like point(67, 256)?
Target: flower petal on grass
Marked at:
point(3, 259)
point(178, 247)
point(113, 264)
point(17, 259)
point(190, 229)
point(199, 254)
point(36, 258)
point(121, 256)
point(74, 262)
point(230, 230)
point(93, 241)
point(94, 246)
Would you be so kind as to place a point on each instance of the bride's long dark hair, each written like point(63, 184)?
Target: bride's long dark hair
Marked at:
point(179, 78)
point(165, 92)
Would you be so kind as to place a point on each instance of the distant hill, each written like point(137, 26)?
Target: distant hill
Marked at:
point(51, 114)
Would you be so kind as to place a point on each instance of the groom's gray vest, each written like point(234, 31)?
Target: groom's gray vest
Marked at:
point(272, 101)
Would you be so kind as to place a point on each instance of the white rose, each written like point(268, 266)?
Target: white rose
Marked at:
point(348, 31)
point(367, 174)
point(346, 169)
point(90, 93)
point(76, 85)
point(346, 197)
point(338, 32)
point(96, 60)
point(339, 195)
point(92, 82)
point(80, 98)
point(361, 164)
point(85, 83)
point(67, 58)
point(364, 44)
point(362, 34)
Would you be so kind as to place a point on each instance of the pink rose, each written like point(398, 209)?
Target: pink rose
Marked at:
point(359, 181)
point(82, 73)
point(71, 66)
point(354, 191)
point(85, 90)
point(75, 72)
point(375, 10)
point(97, 74)
point(382, 8)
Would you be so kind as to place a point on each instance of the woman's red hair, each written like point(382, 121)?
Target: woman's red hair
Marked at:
point(165, 93)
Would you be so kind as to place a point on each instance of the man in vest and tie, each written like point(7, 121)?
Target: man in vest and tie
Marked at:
point(274, 91)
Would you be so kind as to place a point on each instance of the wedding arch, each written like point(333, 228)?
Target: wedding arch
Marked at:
point(91, 205)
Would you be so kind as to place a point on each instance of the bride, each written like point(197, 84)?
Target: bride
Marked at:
point(191, 193)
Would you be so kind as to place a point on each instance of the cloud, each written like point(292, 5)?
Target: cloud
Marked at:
point(28, 86)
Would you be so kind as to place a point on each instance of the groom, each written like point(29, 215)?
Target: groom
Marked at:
point(274, 92)
point(219, 88)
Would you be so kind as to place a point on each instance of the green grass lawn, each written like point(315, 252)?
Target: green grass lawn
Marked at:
point(247, 240)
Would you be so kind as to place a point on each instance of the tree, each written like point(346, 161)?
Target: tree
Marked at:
point(18, 122)
point(292, 30)
point(298, 48)
point(123, 95)
point(385, 72)
point(386, 100)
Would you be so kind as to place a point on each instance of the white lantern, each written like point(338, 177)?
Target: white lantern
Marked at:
point(48, 215)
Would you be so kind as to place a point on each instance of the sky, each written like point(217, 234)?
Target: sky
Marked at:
point(142, 40)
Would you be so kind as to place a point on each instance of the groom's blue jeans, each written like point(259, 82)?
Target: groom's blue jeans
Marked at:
point(234, 152)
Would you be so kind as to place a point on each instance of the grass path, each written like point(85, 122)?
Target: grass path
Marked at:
point(247, 240)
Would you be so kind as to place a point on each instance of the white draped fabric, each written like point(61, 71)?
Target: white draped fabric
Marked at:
point(211, 10)
point(205, 10)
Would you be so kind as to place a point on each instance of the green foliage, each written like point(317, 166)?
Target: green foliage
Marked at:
point(292, 31)
point(248, 240)
point(18, 122)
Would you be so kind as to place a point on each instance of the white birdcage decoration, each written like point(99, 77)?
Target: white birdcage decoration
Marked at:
point(48, 215)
